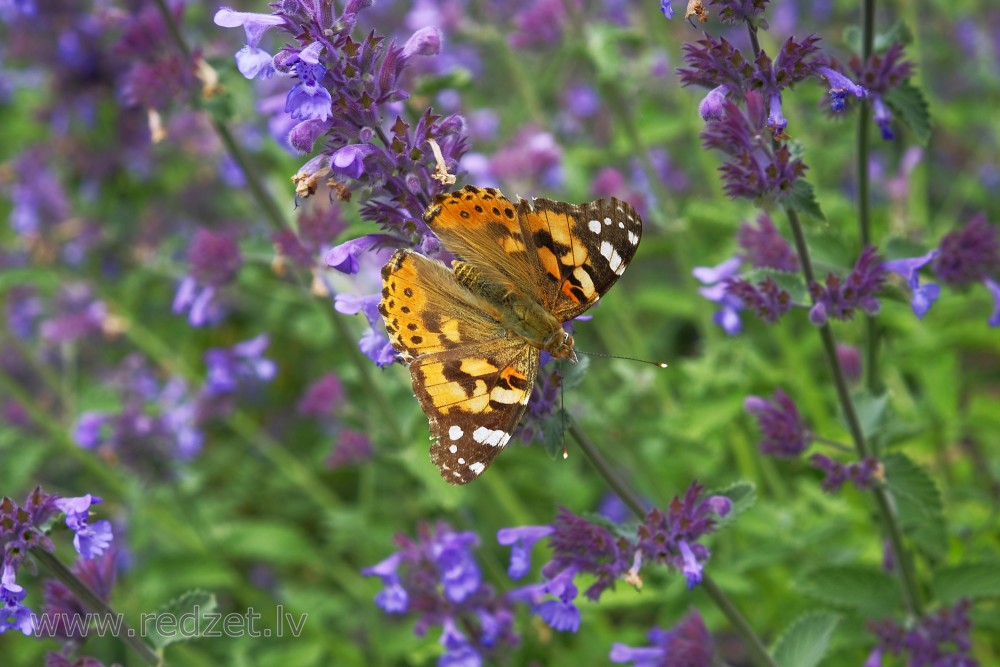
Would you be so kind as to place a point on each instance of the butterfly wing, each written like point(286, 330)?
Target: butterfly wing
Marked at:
point(583, 249)
point(566, 255)
point(472, 377)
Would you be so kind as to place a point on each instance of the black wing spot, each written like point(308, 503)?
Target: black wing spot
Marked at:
point(416, 340)
point(479, 209)
point(411, 326)
point(509, 212)
point(407, 292)
point(406, 310)
point(465, 214)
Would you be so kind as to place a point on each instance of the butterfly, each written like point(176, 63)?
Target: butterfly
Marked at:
point(472, 334)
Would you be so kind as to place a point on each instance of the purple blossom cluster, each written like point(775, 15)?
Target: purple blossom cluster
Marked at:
point(585, 547)
point(687, 644)
point(864, 474)
point(23, 527)
point(436, 577)
point(765, 248)
point(215, 259)
point(783, 432)
point(348, 99)
point(883, 72)
point(742, 111)
point(940, 639)
point(324, 401)
point(839, 298)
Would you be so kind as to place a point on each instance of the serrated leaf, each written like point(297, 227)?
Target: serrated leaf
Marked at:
point(554, 428)
point(971, 580)
point(918, 503)
point(802, 198)
point(743, 496)
point(805, 641)
point(871, 411)
point(855, 587)
point(185, 617)
point(910, 106)
point(898, 32)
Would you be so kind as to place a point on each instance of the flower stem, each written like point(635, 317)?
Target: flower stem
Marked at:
point(872, 379)
point(91, 601)
point(631, 499)
point(883, 498)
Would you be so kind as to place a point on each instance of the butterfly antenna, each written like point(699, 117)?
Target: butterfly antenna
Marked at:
point(658, 364)
point(562, 415)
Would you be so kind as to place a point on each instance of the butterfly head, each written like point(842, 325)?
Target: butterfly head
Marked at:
point(560, 345)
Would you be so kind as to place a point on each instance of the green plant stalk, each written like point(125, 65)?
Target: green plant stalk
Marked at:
point(89, 599)
point(883, 499)
point(754, 645)
point(872, 378)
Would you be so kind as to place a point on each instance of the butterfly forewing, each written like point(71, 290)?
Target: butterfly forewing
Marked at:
point(583, 249)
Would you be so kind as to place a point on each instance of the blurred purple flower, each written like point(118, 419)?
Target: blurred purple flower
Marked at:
point(77, 315)
point(765, 247)
point(883, 72)
point(252, 61)
point(864, 474)
point(715, 280)
point(733, 12)
point(322, 397)
point(666, 9)
point(924, 296)
point(784, 433)
point(62, 611)
point(540, 23)
point(688, 644)
point(839, 299)
point(351, 448)
point(374, 343)
point(215, 259)
point(522, 540)
point(968, 255)
point(437, 578)
point(230, 368)
point(850, 360)
point(532, 159)
point(941, 638)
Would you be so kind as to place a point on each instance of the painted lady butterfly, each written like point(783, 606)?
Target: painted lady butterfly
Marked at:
point(473, 334)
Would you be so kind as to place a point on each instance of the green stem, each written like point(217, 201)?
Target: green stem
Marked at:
point(872, 379)
point(883, 498)
point(631, 499)
point(91, 601)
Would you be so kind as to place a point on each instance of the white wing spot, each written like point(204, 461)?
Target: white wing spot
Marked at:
point(633, 238)
point(614, 259)
point(621, 225)
point(477, 468)
point(455, 432)
point(453, 449)
point(607, 221)
point(488, 436)
point(594, 226)
point(461, 461)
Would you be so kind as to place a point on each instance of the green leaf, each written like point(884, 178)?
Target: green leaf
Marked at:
point(898, 32)
point(743, 496)
point(805, 641)
point(910, 106)
point(856, 587)
point(802, 198)
point(970, 580)
point(458, 78)
point(188, 616)
point(871, 411)
point(918, 502)
point(270, 541)
point(554, 428)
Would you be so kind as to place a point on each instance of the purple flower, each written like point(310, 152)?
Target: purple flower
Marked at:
point(424, 42)
point(374, 343)
point(344, 257)
point(539, 23)
point(711, 106)
point(883, 118)
point(715, 280)
point(251, 60)
point(864, 474)
point(215, 259)
point(522, 540)
point(938, 639)
point(229, 368)
point(839, 299)
point(308, 100)
point(13, 614)
point(87, 433)
point(77, 315)
point(666, 9)
point(784, 433)
point(351, 448)
point(688, 644)
point(850, 360)
point(880, 75)
point(840, 87)
point(909, 269)
point(63, 612)
point(349, 160)
point(322, 397)
point(436, 577)
point(89, 541)
point(767, 299)
point(968, 255)
point(765, 247)
point(994, 289)
point(532, 159)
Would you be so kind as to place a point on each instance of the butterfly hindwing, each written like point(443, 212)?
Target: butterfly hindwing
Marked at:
point(474, 397)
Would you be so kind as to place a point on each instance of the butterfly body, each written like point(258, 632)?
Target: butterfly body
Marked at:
point(473, 334)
